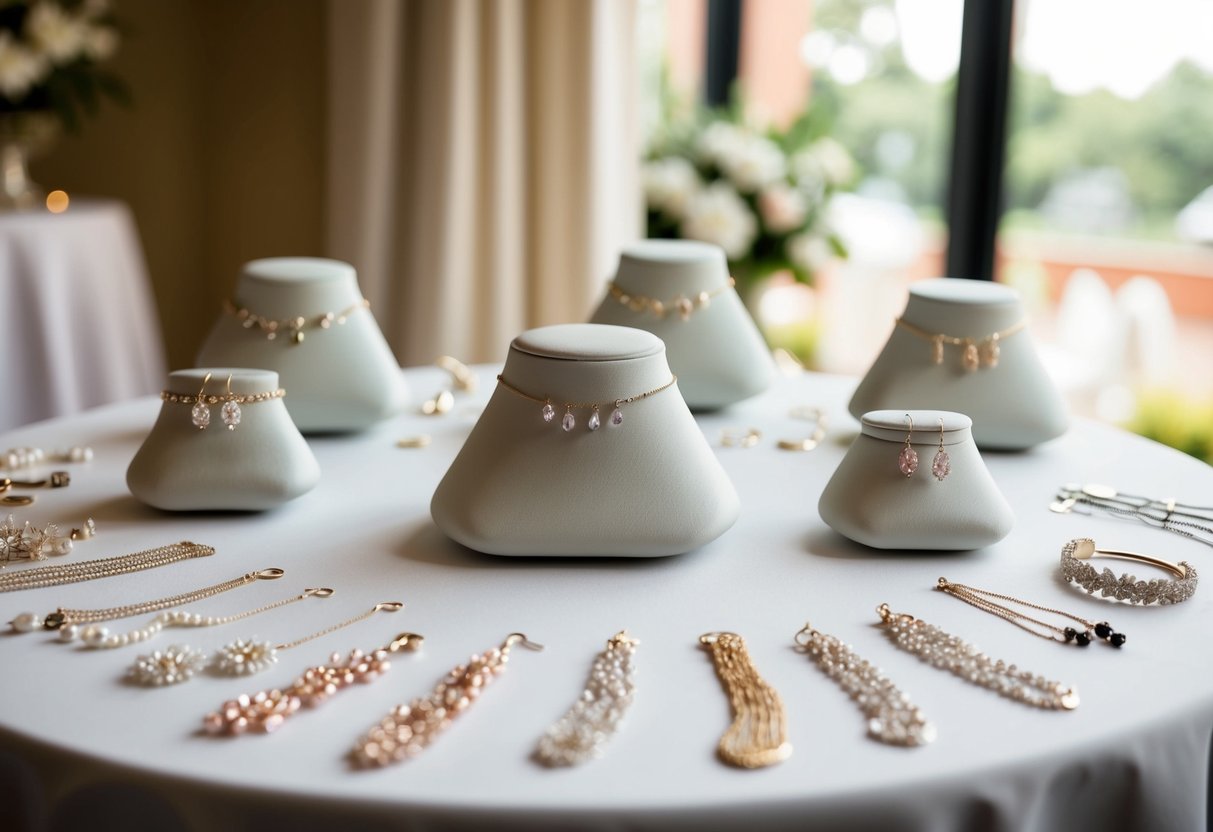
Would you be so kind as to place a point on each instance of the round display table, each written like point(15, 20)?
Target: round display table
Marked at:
point(80, 746)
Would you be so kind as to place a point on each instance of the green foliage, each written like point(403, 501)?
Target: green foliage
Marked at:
point(1174, 420)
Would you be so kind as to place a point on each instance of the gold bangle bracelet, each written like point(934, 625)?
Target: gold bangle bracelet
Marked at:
point(1126, 587)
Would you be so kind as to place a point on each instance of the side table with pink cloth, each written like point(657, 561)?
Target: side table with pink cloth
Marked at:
point(78, 325)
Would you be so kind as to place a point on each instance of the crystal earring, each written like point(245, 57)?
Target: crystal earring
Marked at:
point(941, 465)
point(231, 407)
point(907, 461)
point(200, 414)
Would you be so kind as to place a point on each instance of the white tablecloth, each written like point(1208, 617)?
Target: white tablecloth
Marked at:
point(1134, 756)
point(78, 326)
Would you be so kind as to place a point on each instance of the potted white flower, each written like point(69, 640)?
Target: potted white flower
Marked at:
point(51, 75)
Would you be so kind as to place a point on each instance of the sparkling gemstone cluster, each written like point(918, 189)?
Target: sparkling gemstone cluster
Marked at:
point(958, 657)
point(1127, 587)
point(907, 461)
point(582, 733)
point(892, 717)
point(409, 729)
point(265, 711)
point(28, 542)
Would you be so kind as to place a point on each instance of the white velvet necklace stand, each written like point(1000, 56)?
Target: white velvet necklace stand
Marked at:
point(718, 353)
point(1013, 405)
point(261, 463)
point(340, 379)
point(870, 500)
point(648, 487)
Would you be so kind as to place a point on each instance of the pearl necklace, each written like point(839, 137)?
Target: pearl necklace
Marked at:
point(958, 657)
point(582, 733)
point(683, 305)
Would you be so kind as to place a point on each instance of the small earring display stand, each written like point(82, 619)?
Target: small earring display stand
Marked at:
point(963, 345)
point(306, 319)
point(872, 501)
point(680, 291)
point(260, 463)
point(645, 483)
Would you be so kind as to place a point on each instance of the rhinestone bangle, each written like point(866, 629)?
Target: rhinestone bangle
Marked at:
point(1076, 570)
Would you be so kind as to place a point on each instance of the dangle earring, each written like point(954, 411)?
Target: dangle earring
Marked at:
point(907, 461)
point(200, 413)
point(941, 465)
point(231, 407)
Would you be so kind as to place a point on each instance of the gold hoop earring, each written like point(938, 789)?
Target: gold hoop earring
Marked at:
point(907, 460)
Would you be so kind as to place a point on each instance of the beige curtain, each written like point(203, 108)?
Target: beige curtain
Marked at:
point(482, 163)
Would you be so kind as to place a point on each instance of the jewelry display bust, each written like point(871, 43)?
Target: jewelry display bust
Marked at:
point(872, 500)
point(306, 319)
point(680, 290)
point(190, 462)
point(961, 345)
point(539, 475)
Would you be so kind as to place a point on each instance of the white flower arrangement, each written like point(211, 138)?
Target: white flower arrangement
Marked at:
point(50, 56)
point(760, 196)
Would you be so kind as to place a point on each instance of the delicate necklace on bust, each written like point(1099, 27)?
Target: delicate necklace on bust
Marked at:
point(684, 305)
point(548, 411)
point(975, 352)
point(292, 327)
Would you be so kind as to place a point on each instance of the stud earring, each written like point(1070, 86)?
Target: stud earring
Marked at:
point(907, 461)
point(231, 407)
point(941, 465)
point(200, 413)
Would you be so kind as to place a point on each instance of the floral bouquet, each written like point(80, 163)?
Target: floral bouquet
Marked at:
point(760, 196)
point(50, 59)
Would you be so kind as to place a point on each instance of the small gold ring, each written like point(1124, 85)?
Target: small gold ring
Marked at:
point(731, 439)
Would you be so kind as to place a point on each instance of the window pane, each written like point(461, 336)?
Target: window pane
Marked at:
point(1109, 197)
point(877, 79)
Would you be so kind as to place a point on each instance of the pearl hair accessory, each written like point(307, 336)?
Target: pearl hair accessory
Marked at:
point(242, 657)
point(758, 735)
point(15, 458)
point(892, 718)
point(582, 733)
point(265, 711)
point(409, 729)
point(75, 620)
point(28, 542)
point(98, 638)
point(958, 657)
point(569, 421)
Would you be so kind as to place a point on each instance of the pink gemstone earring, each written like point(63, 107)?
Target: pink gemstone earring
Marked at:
point(941, 465)
point(907, 461)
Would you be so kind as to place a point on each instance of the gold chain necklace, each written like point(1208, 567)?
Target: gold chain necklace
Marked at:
point(684, 305)
point(295, 327)
point(985, 600)
point(758, 735)
point(548, 411)
point(975, 352)
point(64, 617)
point(89, 570)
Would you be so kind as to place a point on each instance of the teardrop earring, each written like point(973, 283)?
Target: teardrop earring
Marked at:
point(941, 465)
point(200, 413)
point(907, 460)
point(231, 408)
